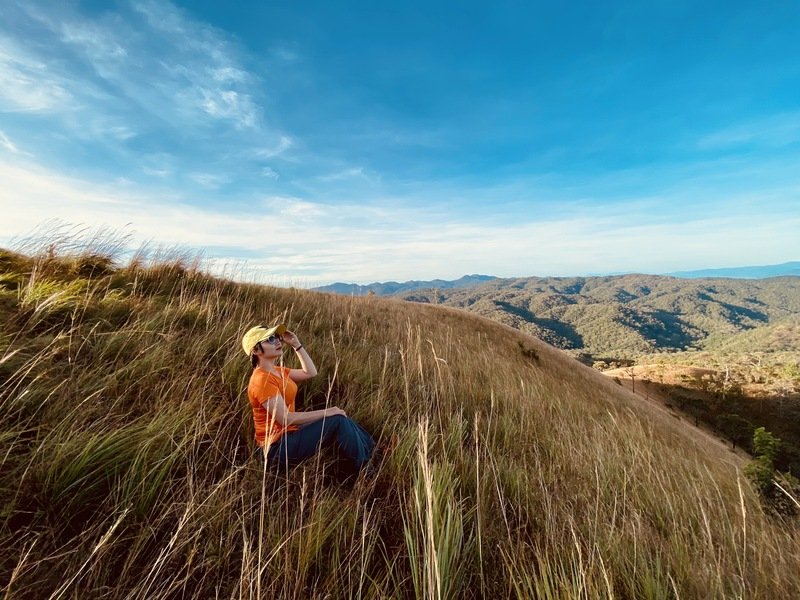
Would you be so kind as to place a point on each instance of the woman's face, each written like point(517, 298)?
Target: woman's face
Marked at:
point(271, 347)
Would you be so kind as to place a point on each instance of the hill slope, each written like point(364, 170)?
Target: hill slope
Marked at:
point(511, 471)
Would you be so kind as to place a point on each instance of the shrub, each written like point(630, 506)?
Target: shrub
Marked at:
point(765, 444)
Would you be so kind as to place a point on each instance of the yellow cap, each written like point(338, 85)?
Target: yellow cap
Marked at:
point(258, 334)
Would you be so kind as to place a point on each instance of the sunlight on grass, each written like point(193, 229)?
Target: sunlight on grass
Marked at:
point(128, 469)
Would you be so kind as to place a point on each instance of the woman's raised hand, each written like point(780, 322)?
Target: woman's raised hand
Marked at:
point(290, 338)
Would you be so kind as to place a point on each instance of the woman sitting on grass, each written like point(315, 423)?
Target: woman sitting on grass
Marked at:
point(283, 435)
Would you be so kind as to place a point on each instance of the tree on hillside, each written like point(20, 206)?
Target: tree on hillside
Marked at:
point(762, 474)
point(630, 372)
point(765, 444)
point(692, 405)
point(738, 429)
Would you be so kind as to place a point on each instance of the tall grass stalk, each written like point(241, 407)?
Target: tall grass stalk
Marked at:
point(434, 528)
point(98, 547)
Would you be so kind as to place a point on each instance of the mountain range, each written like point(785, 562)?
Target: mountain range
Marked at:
point(388, 288)
point(629, 315)
point(624, 316)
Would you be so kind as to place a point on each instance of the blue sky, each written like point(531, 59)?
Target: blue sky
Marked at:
point(304, 143)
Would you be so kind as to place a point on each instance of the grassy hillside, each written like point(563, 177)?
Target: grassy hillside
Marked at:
point(511, 471)
point(628, 315)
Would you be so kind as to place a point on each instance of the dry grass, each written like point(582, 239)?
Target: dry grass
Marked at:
point(126, 469)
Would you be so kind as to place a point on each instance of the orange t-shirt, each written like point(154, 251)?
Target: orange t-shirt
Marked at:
point(262, 387)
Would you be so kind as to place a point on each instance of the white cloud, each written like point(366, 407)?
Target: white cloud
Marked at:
point(227, 74)
point(295, 209)
point(180, 71)
point(296, 239)
point(228, 104)
point(96, 42)
point(156, 172)
point(167, 18)
point(351, 173)
point(160, 164)
point(270, 173)
point(208, 74)
point(28, 84)
point(284, 143)
point(209, 180)
point(773, 131)
point(8, 144)
point(285, 53)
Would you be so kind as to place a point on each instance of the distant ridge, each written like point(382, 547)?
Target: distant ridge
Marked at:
point(393, 287)
point(631, 315)
point(760, 272)
point(388, 288)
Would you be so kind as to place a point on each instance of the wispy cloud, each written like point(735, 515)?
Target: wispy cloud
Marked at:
point(27, 83)
point(209, 180)
point(156, 172)
point(294, 239)
point(345, 174)
point(230, 74)
point(158, 164)
point(155, 60)
point(284, 143)
point(96, 42)
point(208, 75)
point(774, 131)
point(294, 210)
point(8, 144)
point(207, 137)
point(286, 53)
point(270, 173)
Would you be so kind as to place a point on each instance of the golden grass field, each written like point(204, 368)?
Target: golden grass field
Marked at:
point(509, 469)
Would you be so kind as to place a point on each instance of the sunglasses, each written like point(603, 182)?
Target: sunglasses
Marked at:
point(272, 339)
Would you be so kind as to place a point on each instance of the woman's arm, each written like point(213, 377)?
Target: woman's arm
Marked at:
point(276, 407)
point(308, 369)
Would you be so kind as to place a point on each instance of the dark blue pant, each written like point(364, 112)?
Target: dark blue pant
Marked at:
point(352, 441)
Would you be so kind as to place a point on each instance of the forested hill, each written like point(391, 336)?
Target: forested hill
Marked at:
point(629, 315)
point(388, 288)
